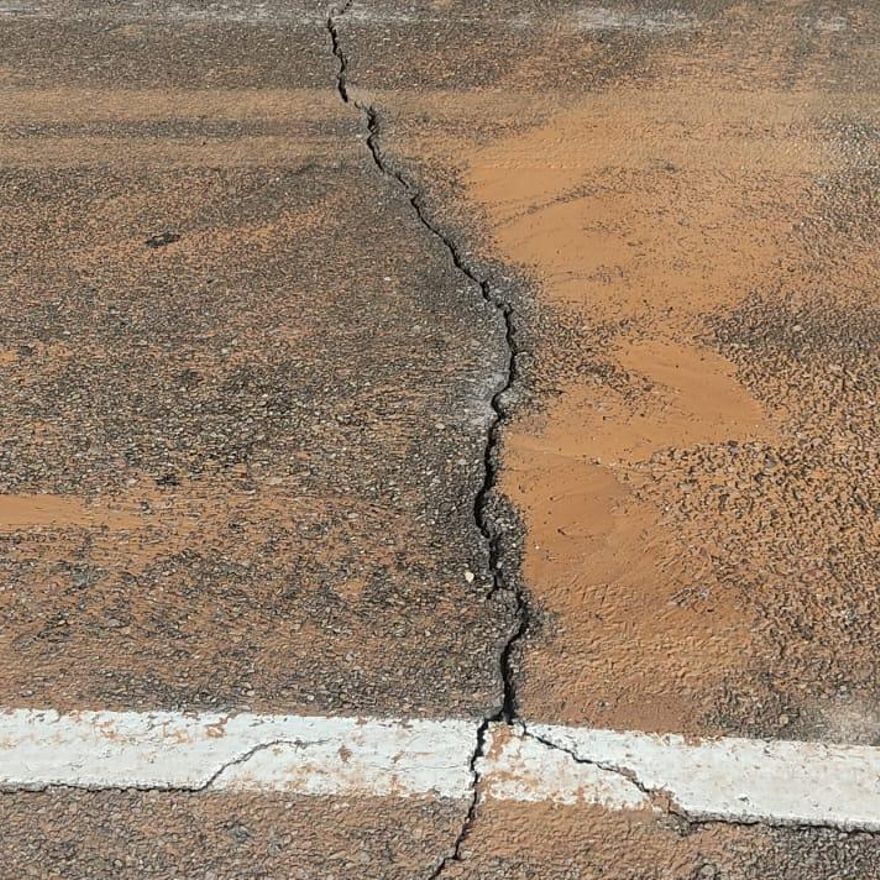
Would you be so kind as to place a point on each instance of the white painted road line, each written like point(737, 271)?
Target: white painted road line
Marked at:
point(172, 750)
point(777, 781)
point(727, 779)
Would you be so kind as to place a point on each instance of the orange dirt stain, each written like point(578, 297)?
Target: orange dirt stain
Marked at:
point(57, 511)
point(644, 212)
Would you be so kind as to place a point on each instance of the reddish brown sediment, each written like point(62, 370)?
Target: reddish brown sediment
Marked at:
point(56, 511)
point(647, 216)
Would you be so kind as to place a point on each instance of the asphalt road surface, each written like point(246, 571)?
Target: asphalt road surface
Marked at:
point(439, 440)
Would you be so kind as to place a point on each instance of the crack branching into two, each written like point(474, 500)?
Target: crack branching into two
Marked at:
point(664, 801)
point(483, 517)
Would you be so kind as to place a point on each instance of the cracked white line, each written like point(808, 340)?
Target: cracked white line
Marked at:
point(727, 779)
point(193, 752)
point(732, 779)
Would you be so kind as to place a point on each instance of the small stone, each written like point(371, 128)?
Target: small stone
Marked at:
point(469, 576)
point(162, 239)
point(784, 720)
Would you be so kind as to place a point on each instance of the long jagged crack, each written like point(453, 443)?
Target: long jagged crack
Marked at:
point(507, 712)
point(482, 515)
point(660, 798)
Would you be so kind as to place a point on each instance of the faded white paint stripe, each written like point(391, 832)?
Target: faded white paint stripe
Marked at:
point(727, 779)
point(746, 780)
point(171, 750)
point(519, 768)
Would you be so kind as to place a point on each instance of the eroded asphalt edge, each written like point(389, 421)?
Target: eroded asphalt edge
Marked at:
point(506, 715)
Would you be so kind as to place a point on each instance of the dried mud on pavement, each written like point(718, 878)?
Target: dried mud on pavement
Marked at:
point(509, 363)
point(687, 196)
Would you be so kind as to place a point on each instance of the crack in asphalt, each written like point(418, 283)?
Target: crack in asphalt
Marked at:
point(336, 47)
point(482, 515)
point(244, 757)
point(196, 788)
point(489, 531)
point(659, 797)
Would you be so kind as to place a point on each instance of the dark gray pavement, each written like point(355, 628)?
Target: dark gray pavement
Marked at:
point(275, 420)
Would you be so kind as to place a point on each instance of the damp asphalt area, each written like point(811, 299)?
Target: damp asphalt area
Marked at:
point(439, 440)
